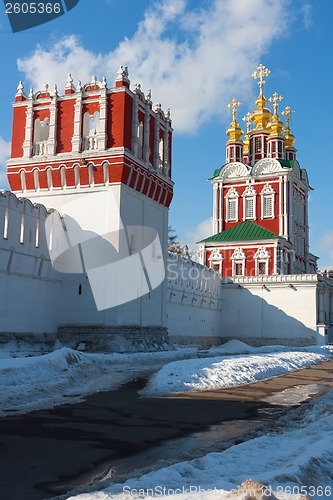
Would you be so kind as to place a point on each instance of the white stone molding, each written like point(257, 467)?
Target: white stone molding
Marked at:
point(262, 253)
point(76, 139)
point(103, 109)
point(268, 166)
point(27, 144)
point(238, 254)
point(234, 170)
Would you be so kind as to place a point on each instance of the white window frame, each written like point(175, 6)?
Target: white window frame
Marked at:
point(261, 256)
point(238, 257)
point(232, 198)
point(268, 193)
point(249, 195)
point(216, 258)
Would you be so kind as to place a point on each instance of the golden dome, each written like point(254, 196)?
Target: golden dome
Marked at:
point(289, 137)
point(275, 126)
point(262, 115)
point(234, 132)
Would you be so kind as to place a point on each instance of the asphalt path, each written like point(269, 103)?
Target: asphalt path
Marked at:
point(49, 452)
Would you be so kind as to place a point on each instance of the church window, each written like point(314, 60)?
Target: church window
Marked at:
point(91, 174)
point(261, 258)
point(267, 206)
point(238, 262)
point(76, 175)
point(216, 260)
point(49, 178)
point(238, 269)
point(262, 268)
point(257, 144)
point(63, 177)
point(267, 202)
point(106, 173)
point(232, 205)
point(249, 208)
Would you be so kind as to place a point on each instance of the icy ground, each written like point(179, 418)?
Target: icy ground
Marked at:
point(298, 453)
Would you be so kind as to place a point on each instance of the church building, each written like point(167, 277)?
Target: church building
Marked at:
point(260, 197)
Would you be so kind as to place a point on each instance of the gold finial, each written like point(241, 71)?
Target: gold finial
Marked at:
point(233, 105)
point(247, 120)
point(259, 74)
point(274, 99)
point(287, 112)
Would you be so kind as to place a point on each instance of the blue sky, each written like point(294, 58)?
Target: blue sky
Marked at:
point(195, 55)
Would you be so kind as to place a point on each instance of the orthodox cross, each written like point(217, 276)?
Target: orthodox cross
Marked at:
point(247, 120)
point(259, 74)
point(287, 112)
point(233, 105)
point(274, 99)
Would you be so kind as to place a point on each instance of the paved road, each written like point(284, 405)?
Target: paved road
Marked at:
point(45, 453)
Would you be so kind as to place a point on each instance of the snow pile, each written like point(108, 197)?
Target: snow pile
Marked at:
point(221, 372)
point(296, 459)
point(65, 375)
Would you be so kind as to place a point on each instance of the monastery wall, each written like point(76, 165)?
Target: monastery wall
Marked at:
point(193, 302)
point(281, 309)
point(29, 287)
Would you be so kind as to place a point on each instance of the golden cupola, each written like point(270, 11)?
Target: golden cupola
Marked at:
point(234, 147)
point(289, 137)
point(262, 115)
point(275, 126)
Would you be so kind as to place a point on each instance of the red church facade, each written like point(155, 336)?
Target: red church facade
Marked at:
point(260, 205)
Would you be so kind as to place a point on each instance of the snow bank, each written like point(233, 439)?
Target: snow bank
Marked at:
point(296, 458)
point(221, 372)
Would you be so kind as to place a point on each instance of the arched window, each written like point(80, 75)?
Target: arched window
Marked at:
point(105, 173)
point(90, 131)
point(63, 177)
point(261, 258)
point(76, 175)
point(41, 135)
point(238, 262)
point(49, 178)
point(91, 174)
point(36, 179)
point(23, 180)
point(216, 260)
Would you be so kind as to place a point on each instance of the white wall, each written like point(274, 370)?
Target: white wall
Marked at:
point(193, 302)
point(29, 287)
point(276, 309)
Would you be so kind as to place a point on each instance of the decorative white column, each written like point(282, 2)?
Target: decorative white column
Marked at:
point(27, 144)
point(77, 139)
point(52, 139)
point(135, 124)
point(157, 144)
point(102, 135)
point(215, 209)
point(166, 164)
point(221, 211)
point(146, 146)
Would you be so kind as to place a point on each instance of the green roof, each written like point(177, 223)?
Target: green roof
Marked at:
point(246, 231)
point(286, 163)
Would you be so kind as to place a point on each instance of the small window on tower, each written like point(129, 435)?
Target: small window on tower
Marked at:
point(258, 145)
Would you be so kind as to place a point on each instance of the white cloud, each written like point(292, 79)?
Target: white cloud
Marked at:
point(194, 60)
point(4, 156)
point(306, 11)
point(201, 231)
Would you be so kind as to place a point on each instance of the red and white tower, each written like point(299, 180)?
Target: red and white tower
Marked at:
point(260, 206)
point(102, 156)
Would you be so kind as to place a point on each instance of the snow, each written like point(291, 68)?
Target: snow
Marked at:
point(298, 452)
point(221, 372)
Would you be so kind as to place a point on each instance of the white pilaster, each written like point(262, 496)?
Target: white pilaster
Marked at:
point(102, 134)
point(135, 124)
point(77, 135)
point(146, 146)
point(52, 139)
point(27, 144)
